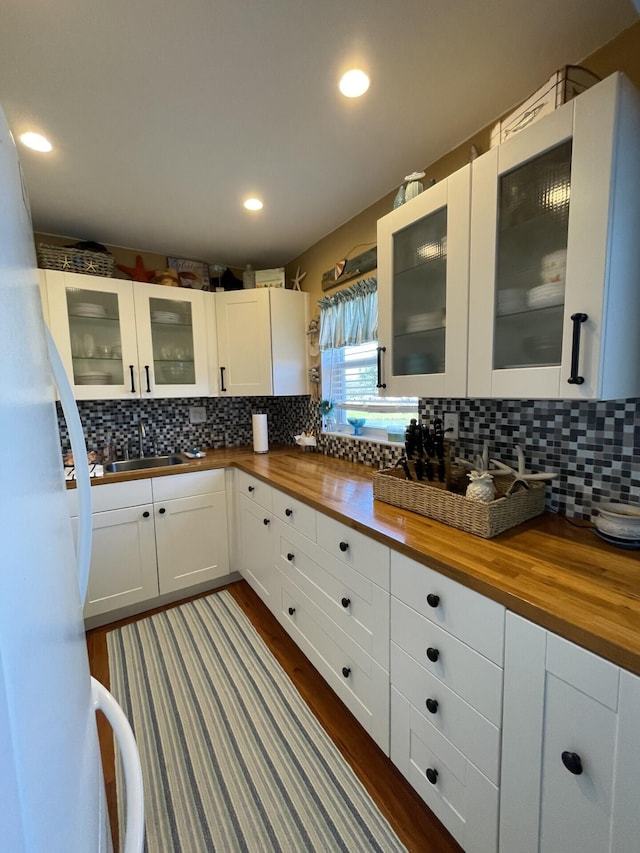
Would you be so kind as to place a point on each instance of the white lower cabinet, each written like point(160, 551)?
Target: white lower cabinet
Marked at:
point(571, 750)
point(257, 553)
point(447, 646)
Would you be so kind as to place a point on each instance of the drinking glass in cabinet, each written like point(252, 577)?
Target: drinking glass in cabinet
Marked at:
point(531, 260)
point(94, 329)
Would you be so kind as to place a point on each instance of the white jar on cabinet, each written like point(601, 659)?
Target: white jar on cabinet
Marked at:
point(423, 277)
point(554, 303)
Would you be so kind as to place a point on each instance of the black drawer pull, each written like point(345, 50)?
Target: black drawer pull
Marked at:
point(432, 705)
point(572, 762)
point(291, 611)
point(345, 602)
point(433, 654)
point(433, 600)
point(432, 775)
point(266, 520)
point(162, 510)
point(251, 489)
point(290, 557)
point(146, 513)
point(346, 671)
point(288, 512)
point(344, 546)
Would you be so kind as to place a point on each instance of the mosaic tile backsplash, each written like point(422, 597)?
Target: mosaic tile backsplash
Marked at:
point(594, 447)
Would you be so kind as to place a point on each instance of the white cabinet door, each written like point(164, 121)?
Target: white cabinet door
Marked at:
point(92, 321)
point(244, 342)
point(570, 748)
point(191, 539)
point(172, 341)
point(123, 559)
point(555, 259)
point(423, 283)
point(257, 551)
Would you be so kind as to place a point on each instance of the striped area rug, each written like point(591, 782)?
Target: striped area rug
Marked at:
point(232, 757)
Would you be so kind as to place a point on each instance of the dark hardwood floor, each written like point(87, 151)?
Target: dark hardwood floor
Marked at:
point(416, 826)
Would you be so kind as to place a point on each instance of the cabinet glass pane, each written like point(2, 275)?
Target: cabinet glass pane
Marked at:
point(419, 296)
point(172, 341)
point(96, 345)
point(533, 218)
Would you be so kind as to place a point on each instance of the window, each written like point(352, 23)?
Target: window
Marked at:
point(349, 378)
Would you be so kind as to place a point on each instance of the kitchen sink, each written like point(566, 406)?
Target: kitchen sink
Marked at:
point(140, 464)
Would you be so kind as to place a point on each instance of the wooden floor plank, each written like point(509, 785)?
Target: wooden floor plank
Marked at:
point(416, 826)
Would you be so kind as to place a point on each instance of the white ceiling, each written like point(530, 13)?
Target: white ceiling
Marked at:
point(166, 114)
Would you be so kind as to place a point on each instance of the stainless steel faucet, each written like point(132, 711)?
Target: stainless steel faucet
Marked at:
point(141, 435)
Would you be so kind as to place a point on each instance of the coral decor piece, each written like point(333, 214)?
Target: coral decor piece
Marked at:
point(521, 475)
point(138, 273)
point(297, 279)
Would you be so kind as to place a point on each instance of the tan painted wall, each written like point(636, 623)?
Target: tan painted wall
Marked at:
point(621, 54)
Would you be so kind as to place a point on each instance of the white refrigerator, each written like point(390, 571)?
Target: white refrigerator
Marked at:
point(52, 796)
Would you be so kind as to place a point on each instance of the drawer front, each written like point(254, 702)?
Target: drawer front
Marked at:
point(353, 548)
point(110, 496)
point(474, 619)
point(462, 725)
point(255, 489)
point(360, 682)
point(361, 610)
point(477, 680)
point(460, 796)
point(187, 485)
point(295, 514)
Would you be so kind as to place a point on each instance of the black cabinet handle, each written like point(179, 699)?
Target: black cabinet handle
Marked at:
point(251, 489)
point(572, 762)
point(162, 510)
point(345, 602)
point(266, 521)
point(146, 370)
point(433, 654)
point(432, 775)
point(290, 557)
point(291, 611)
point(432, 705)
point(380, 383)
point(433, 600)
point(346, 671)
point(577, 320)
point(288, 512)
point(146, 513)
point(344, 546)
point(222, 386)
point(133, 384)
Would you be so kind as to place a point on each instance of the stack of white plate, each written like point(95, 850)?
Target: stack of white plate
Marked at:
point(90, 309)
point(510, 300)
point(164, 317)
point(93, 378)
point(546, 295)
point(425, 322)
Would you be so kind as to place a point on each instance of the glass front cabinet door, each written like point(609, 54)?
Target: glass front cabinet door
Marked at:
point(423, 269)
point(554, 303)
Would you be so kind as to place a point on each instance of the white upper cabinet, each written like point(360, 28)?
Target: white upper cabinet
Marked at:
point(262, 343)
point(423, 279)
point(554, 305)
point(121, 339)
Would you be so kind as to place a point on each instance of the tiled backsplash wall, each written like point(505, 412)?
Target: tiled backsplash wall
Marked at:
point(594, 447)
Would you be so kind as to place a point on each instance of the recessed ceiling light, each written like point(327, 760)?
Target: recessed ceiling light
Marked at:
point(36, 141)
point(354, 83)
point(253, 204)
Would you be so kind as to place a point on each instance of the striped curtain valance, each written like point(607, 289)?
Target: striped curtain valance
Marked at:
point(350, 316)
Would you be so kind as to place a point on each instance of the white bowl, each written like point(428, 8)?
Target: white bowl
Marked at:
point(618, 519)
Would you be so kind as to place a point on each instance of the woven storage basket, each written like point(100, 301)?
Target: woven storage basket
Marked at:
point(75, 260)
point(477, 517)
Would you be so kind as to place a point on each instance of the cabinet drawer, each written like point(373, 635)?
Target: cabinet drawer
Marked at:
point(462, 725)
point(295, 514)
point(462, 798)
point(255, 489)
point(110, 496)
point(187, 485)
point(360, 682)
point(477, 680)
point(360, 608)
point(474, 619)
point(353, 548)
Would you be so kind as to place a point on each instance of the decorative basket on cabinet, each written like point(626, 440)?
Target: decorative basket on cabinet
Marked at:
point(75, 260)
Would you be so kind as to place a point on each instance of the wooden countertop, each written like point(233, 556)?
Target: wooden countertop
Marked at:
point(555, 573)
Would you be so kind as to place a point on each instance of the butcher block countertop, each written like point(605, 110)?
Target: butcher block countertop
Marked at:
point(549, 570)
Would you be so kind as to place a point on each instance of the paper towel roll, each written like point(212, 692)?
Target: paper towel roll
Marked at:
point(260, 434)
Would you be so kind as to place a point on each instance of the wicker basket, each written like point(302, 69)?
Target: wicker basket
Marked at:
point(75, 260)
point(477, 517)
